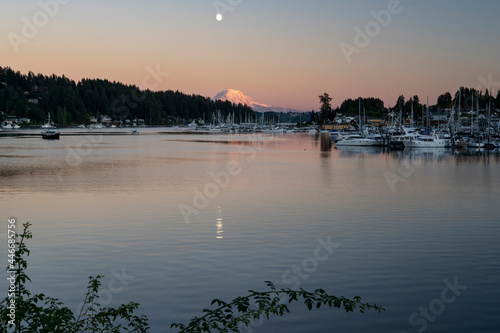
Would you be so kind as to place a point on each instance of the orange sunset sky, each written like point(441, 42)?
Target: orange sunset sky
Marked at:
point(282, 53)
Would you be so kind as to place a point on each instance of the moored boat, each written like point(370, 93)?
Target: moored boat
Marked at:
point(474, 143)
point(50, 134)
point(357, 140)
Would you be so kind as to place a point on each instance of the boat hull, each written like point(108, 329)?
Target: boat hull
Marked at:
point(357, 143)
point(54, 136)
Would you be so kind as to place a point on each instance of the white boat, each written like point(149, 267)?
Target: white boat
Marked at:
point(275, 130)
point(357, 140)
point(412, 139)
point(473, 143)
point(8, 126)
point(215, 129)
point(361, 139)
point(48, 124)
point(376, 137)
point(428, 141)
point(50, 134)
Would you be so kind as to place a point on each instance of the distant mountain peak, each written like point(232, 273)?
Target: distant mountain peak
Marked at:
point(236, 97)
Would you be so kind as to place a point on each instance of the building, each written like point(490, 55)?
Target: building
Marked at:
point(372, 121)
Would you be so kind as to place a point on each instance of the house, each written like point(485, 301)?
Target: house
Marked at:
point(336, 126)
point(373, 121)
point(105, 119)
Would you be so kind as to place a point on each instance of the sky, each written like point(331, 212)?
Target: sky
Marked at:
point(279, 52)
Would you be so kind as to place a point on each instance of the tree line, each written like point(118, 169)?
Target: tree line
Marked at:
point(464, 99)
point(33, 96)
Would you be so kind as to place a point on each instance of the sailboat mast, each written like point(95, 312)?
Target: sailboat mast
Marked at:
point(477, 113)
point(359, 110)
point(364, 116)
point(428, 125)
point(472, 115)
point(411, 124)
point(489, 116)
point(459, 105)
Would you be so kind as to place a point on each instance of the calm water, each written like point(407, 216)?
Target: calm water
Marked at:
point(404, 222)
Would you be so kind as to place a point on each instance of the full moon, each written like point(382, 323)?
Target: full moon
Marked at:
point(218, 17)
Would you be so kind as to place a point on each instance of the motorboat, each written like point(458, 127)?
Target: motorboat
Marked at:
point(428, 141)
point(412, 139)
point(50, 134)
point(357, 140)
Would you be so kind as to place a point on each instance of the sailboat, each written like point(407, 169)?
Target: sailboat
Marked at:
point(47, 124)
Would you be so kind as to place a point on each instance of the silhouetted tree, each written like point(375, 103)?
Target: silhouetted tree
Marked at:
point(444, 101)
point(325, 102)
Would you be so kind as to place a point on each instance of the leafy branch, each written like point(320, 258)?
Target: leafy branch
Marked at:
point(40, 313)
point(227, 317)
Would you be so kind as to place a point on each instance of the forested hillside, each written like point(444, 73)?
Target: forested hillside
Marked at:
point(33, 96)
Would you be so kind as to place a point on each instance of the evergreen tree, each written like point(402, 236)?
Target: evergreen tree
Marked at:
point(325, 102)
point(444, 101)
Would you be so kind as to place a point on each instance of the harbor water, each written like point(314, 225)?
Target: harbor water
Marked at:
point(175, 220)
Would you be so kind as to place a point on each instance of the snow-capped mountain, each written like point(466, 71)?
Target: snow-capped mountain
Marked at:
point(236, 96)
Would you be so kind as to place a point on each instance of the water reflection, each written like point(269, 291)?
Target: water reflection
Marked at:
point(219, 225)
point(326, 143)
point(154, 163)
point(462, 156)
point(475, 156)
point(356, 151)
point(442, 216)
